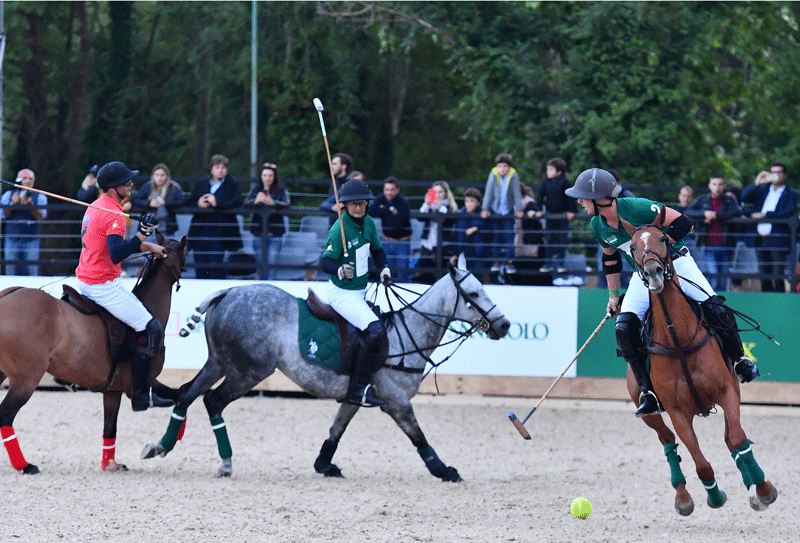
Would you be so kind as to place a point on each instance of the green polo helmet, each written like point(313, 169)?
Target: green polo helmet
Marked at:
point(594, 184)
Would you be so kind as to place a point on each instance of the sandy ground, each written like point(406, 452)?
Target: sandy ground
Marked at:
point(513, 490)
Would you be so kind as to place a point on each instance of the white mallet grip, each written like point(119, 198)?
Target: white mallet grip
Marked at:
point(318, 104)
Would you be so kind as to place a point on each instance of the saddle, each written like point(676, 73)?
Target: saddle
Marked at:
point(120, 337)
point(347, 332)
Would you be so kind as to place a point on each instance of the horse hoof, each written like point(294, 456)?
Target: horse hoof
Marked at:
point(452, 476)
point(332, 470)
point(684, 509)
point(30, 469)
point(226, 468)
point(770, 499)
point(151, 451)
point(724, 501)
point(113, 467)
point(760, 504)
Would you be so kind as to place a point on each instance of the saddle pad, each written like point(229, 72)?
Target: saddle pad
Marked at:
point(317, 339)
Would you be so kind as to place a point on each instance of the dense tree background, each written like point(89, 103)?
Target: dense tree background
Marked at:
point(665, 92)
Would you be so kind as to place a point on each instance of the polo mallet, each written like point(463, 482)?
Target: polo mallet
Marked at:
point(70, 200)
point(318, 105)
point(521, 425)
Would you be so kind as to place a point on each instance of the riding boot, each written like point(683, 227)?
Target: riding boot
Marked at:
point(723, 322)
point(629, 339)
point(370, 353)
point(142, 395)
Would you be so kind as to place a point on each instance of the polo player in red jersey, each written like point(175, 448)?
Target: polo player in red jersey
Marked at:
point(98, 272)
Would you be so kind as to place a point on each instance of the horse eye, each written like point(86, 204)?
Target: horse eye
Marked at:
point(473, 295)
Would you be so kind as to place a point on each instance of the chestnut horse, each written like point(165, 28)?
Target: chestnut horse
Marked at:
point(42, 334)
point(689, 375)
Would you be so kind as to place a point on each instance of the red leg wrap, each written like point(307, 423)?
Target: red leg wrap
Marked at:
point(109, 449)
point(182, 430)
point(12, 446)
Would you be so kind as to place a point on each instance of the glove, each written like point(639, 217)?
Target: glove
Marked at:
point(148, 224)
point(386, 276)
point(346, 272)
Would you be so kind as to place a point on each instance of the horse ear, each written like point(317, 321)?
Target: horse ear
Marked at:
point(183, 245)
point(661, 217)
point(462, 262)
point(159, 238)
point(628, 226)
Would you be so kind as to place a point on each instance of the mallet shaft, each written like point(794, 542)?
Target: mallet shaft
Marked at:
point(70, 200)
point(318, 106)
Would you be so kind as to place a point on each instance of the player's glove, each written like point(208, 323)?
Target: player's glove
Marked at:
point(346, 272)
point(148, 224)
point(386, 276)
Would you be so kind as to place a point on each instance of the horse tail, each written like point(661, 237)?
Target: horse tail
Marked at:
point(200, 310)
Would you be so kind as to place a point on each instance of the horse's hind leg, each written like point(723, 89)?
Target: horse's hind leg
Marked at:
point(403, 415)
point(111, 403)
point(762, 492)
point(17, 396)
point(683, 425)
point(323, 462)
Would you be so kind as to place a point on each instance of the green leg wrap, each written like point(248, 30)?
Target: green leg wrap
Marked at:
point(715, 497)
point(175, 423)
point(676, 474)
point(221, 433)
point(752, 474)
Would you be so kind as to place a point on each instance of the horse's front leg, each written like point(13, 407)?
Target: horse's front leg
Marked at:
point(111, 403)
point(323, 462)
point(683, 425)
point(403, 415)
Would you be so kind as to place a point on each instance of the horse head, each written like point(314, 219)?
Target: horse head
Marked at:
point(651, 251)
point(176, 254)
point(168, 268)
point(472, 303)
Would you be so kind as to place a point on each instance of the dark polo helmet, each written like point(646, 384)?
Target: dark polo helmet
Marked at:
point(355, 189)
point(594, 184)
point(114, 174)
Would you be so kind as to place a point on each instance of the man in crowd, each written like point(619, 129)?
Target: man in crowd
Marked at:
point(393, 210)
point(23, 211)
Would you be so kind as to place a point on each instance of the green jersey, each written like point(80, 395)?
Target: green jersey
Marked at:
point(361, 239)
point(637, 211)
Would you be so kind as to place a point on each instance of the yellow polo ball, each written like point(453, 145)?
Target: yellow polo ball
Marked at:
point(581, 508)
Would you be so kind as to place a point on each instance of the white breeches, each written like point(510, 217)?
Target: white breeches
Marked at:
point(351, 305)
point(119, 301)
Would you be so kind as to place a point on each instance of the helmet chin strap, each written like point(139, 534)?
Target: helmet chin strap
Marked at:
point(596, 205)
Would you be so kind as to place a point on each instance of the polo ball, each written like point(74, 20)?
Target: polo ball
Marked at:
point(581, 508)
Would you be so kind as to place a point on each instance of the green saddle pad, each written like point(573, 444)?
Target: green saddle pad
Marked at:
point(318, 339)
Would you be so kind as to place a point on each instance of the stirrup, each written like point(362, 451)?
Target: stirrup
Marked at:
point(146, 399)
point(364, 397)
point(648, 404)
point(746, 370)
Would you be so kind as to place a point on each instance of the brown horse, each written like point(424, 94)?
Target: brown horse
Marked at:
point(41, 334)
point(689, 375)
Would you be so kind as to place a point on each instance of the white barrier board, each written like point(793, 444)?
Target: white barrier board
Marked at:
point(541, 341)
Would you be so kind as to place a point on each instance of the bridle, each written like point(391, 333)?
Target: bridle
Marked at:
point(151, 265)
point(650, 254)
point(483, 324)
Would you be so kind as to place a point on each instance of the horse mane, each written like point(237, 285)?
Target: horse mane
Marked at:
point(149, 269)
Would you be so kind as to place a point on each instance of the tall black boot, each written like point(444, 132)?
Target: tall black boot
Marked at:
point(629, 339)
point(723, 321)
point(370, 353)
point(142, 396)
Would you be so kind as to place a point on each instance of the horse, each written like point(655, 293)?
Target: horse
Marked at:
point(252, 330)
point(689, 375)
point(42, 334)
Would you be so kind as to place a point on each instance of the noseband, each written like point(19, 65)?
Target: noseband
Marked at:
point(664, 261)
point(485, 323)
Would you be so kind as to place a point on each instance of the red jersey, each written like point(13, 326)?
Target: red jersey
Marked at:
point(95, 266)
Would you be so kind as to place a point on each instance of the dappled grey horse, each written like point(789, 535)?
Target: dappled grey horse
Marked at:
point(252, 330)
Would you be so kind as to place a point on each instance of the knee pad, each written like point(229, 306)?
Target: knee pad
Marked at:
point(717, 314)
point(374, 334)
point(154, 333)
point(629, 335)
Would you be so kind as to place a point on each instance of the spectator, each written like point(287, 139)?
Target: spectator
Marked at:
point(267, 197)
point(160, 196)
point(529, 242)
point(342, 170)
point(23, 221)
point(554, 200)
point(214, 232)
point(710, 214)
point(439, 199)
point(471, 229)
point(503, 200)
point(89, 191)
point(771, 198)
point(685, 198)
point(357, 175)
point(395, 214)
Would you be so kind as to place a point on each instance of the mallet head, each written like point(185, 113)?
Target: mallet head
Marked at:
point(318, 104)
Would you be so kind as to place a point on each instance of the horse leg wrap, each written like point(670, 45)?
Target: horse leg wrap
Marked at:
point(176, 423)
point(752, 474)
point(221, 433)
point(715, 496)
point(12, 447)
point(676, 474)
point(325, 455)
point(435, 466)
point(109, 451)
